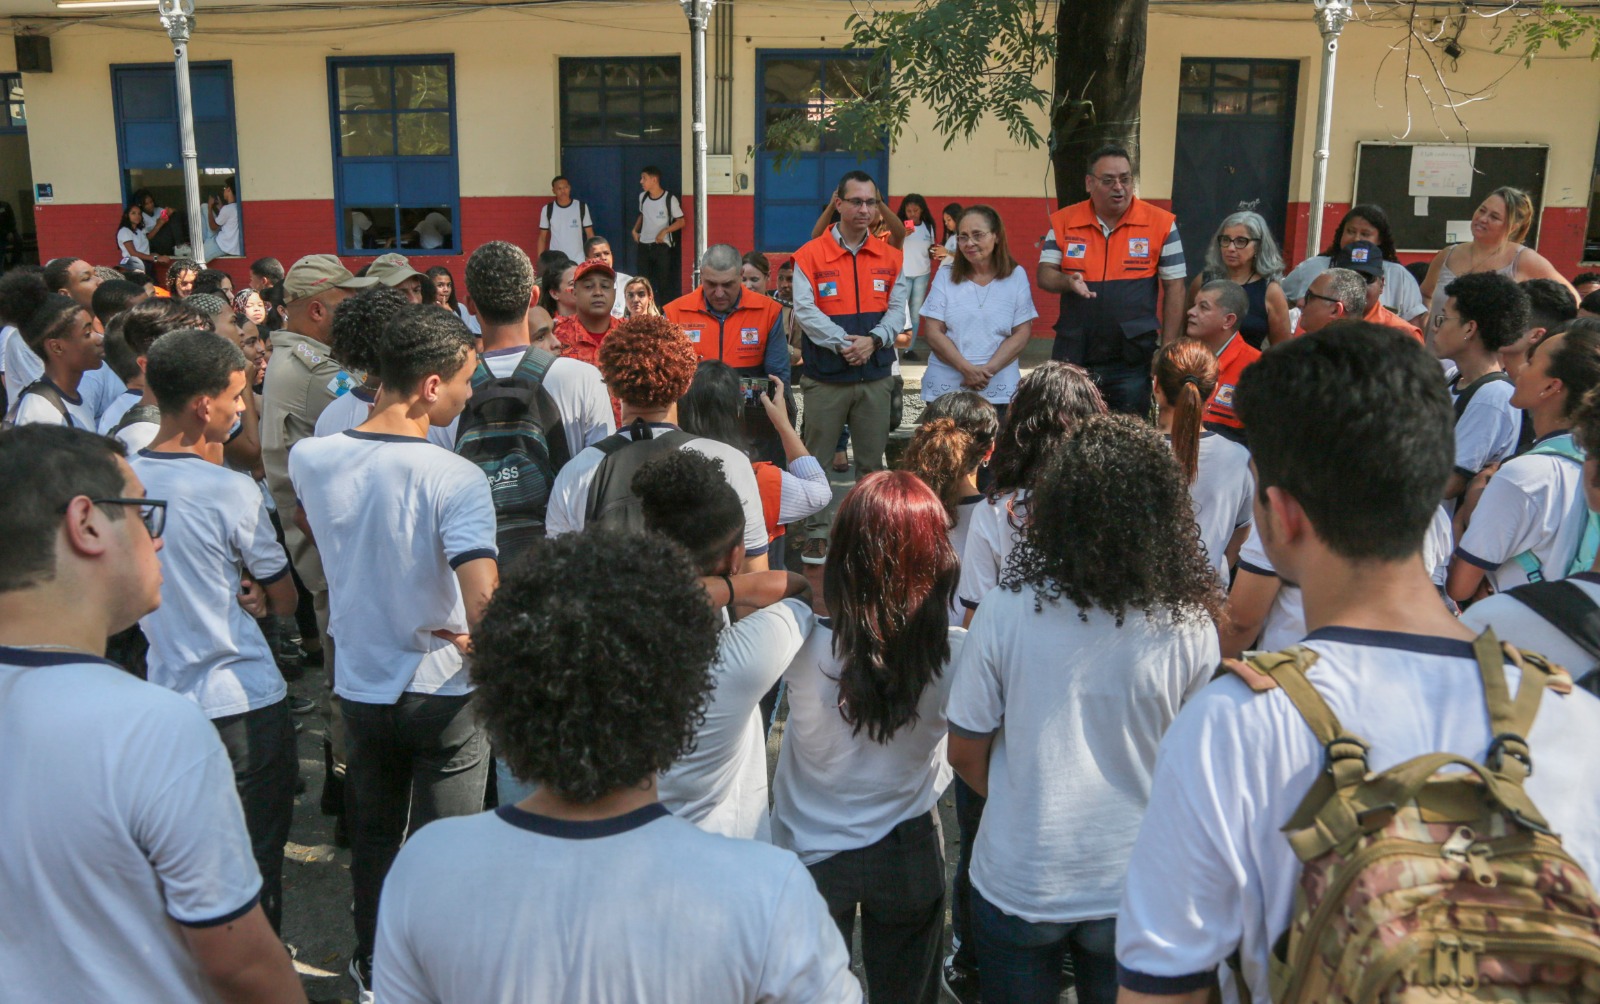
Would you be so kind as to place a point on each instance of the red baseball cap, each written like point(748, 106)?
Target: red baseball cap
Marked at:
point(591, 266)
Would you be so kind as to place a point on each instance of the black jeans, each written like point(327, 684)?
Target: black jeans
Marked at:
point(655, 264)
point(408, 763)
point(899, 884)
point(260, 744)
point(969, 813)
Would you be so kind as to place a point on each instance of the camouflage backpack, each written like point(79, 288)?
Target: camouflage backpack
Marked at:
point(1436, 880)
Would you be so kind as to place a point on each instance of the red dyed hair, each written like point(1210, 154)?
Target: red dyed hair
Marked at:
point(888, 582)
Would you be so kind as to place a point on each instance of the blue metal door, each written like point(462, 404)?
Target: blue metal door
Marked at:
point(792, 188)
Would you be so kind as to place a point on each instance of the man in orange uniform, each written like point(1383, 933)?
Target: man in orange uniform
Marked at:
point(1214, 319)
point(1366, 260)
point(580, 334)
point(1111, 257)
point(849, 299)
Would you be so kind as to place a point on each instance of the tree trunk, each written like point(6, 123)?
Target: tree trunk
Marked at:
point(1099, 82)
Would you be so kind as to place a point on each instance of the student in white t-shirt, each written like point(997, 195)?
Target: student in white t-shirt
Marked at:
point(1072, 671)
point(1527, 523)
point(63, 334)
point(948, 450)
point(135, 418)
point(916, 262)
point(203, 645)
point(565, 223)
point(222, 212)
point(385, 508)
point(593, 664)
point(1049, 402)
point(648, 363)
point(1217, 469)
point(125, 871)
point(980, 312)
point(721, 785)
point(1344, 514)
point(659, 220)
point(862, 763)
point(1483, 313)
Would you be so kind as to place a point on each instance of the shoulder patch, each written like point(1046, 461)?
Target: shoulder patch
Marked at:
point(308, 354)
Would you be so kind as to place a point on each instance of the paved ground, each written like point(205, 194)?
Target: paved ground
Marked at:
point(316, 917)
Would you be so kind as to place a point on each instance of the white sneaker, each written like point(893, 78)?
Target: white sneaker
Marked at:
point(363, 992)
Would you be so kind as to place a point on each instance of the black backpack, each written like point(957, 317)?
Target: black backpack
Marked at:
point(511, 428)
point(1471, 390)
point(611, 498)
point(1569, 610)
point(41, 387)
point(133, 416)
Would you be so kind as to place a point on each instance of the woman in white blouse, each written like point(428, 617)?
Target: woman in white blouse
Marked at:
point(979, 314)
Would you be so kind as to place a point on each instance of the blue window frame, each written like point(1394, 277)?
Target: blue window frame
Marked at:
point(14, 114)
point(805, 82)
point(394, 154)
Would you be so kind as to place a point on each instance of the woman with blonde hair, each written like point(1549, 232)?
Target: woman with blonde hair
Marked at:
point(1499, 225)
point(640, 297)
point(1216, 469)
point(1244, 251)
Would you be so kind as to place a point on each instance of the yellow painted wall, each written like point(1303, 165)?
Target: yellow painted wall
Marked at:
point(506, 76)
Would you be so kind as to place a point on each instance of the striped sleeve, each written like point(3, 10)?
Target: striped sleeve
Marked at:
point(1050, 250)
point(1172, 265)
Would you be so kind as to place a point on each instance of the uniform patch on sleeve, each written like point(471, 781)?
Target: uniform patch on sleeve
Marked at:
point(1138, 247)
point(341, 382)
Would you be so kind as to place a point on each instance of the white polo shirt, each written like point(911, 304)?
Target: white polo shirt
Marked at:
point(202, 643)
point(122, 826)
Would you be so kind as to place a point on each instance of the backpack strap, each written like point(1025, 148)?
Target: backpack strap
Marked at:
point(42, 387)
point(1568, 609)
point(1566, 448)
point(1470, 390)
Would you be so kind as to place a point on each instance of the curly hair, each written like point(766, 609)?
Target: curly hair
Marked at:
point(1111, 526)
point(648, 362)
point(941, 454)
point(685, 496)
point(1049, 402)
point(593, 662)
point(1496, 302)
point(499, 278)
point(420, 340)
point(359, 323)
point(889, 580)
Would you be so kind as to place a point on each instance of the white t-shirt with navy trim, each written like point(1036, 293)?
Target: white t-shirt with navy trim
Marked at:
point(966, 510)
point(393, 517)
point(1534, 503)
point(1487, 431)
point(508, 905)
point(354, 407)
point(721, 785)
point(202, 643)
point(98, 387)
point(1077, 706)
point(116, 409)
point(836, 789)
point(37, 409)
point(1516, 622)
point(1212, 872)
point(566, 225)
point(1222, 492)
point(569, 496)
point(121, 824)
point(658, 214)
point(991, 537)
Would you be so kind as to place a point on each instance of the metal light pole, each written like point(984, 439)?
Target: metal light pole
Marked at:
point(1331, 16)
point(699, 14)
point(177, 16)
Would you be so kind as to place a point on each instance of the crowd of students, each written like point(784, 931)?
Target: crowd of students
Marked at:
point(540, 551)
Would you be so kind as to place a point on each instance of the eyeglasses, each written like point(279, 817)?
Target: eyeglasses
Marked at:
point(1441, 317)
point(973, 238)
point(1318, 296)
point(860, 203)
point(1237, 243)
point(152, 512)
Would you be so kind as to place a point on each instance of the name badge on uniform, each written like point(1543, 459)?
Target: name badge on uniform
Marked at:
point(1138, 247)
point(749, 336)
point(1224, 396)
point(341, 383)
point(880, 285)
point(1077, 249)
point(694, 334)
point(827, 289)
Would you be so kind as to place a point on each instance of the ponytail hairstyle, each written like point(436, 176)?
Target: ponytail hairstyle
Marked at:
point(957, 434)
point(1049, 404)
point(1519, 211)
point(1186, 372)
point(1576, 361)
point(890, 576)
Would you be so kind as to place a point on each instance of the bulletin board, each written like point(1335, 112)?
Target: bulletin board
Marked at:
point(1453, 180)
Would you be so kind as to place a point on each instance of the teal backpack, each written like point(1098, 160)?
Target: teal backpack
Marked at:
point(1564, 446)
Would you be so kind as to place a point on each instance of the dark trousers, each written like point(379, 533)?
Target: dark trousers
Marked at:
point(969, 813)
point(408, 763)
point(898, 883)
point(1020, 962)
point(261, 746)
point(1126, 389)
point(655, 264)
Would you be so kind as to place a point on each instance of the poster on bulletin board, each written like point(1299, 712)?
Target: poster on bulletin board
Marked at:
point(1430, 190)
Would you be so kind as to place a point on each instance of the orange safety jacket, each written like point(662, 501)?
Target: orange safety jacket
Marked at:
point(769, 485)
point(853, 290)
point(1119, 324)
point(740, 339)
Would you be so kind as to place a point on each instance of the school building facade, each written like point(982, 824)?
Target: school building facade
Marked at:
point(346, 124)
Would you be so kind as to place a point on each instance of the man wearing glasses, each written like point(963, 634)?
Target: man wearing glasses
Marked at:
point(1336, 295)
point(1118, 264)
point(125, 847)
point(203, 644)
point(849, 296)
